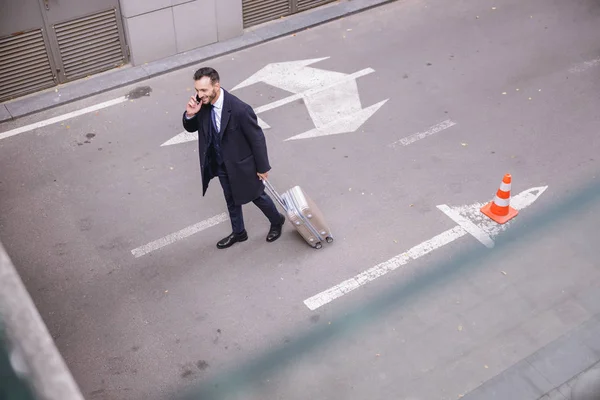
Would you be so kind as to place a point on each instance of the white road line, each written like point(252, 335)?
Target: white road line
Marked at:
point(63, 117)
point(584, 66)
point(173, 237)
point(468, 226)
point(381, 269)
point(418, 136)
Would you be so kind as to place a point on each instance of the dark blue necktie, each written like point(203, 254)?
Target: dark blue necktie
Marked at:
point(214, 118)
point(216, 137)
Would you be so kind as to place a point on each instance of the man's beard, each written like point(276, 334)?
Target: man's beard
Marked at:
point(212, 97)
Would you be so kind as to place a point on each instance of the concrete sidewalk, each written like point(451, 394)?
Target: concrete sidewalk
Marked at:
point(127, 75)
point(551, 372)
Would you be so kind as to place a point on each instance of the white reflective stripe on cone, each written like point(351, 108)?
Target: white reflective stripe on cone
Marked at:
point(505, 187)
point(501, 202)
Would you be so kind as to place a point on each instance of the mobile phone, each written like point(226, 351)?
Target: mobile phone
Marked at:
point(198, 99)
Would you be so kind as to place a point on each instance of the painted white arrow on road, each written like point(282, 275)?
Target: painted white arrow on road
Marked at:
point(470, 221)
point(186, 136)
point(183, 137)
point(332, 98)
point(349, 122)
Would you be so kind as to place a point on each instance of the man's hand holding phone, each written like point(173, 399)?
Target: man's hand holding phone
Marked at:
point(193, 106)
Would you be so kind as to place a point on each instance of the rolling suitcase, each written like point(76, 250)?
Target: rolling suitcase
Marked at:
point(304, 214)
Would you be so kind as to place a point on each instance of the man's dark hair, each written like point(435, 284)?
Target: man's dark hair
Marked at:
point(207, 71)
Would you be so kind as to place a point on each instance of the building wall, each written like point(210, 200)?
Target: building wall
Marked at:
point(157, 29)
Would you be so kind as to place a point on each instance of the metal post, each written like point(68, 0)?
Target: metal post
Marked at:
point(42, 365)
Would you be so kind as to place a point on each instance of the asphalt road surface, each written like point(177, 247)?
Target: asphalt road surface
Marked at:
point(479, 88)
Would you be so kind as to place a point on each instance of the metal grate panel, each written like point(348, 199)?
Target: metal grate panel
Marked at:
point(259, 11)
point(24, 65)
point(308, 4)
point(90, 44)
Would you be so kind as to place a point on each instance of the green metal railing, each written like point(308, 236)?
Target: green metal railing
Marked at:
point(26, 343)
point(12, 386)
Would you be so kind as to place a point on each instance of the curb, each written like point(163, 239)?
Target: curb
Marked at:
point(550, 372)
point(103, 82)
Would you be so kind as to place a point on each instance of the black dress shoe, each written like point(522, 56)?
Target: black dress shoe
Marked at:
point(275, 230)
point(232, 239)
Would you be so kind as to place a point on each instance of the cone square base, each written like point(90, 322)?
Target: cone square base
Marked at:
point(501, 219)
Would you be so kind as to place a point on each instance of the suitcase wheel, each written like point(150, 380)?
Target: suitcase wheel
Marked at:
point(329, 239)
point(318, 245)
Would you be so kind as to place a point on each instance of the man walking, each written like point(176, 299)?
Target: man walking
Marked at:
point(231, 146)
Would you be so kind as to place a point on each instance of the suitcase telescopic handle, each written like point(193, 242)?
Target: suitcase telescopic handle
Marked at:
point(275, 194)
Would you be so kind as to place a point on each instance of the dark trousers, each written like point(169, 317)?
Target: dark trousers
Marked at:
point(264, 202)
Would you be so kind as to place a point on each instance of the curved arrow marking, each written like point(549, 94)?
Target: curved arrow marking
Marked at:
point(331, 97)
point(283, 75)
point(348, 123)
point(321, 87)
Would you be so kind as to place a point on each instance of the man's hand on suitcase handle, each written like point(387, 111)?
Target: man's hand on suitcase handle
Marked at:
point(263, 176)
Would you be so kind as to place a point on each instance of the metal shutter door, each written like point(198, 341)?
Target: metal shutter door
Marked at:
point(89, 45)
point(259, 11)
point(308, 4)
point(24, 65)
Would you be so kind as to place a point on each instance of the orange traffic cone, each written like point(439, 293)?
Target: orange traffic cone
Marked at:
point(499, 209)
